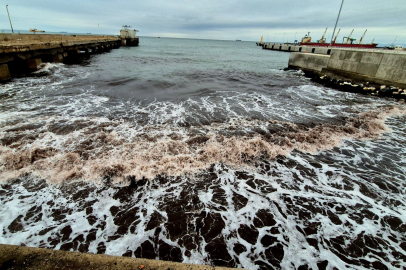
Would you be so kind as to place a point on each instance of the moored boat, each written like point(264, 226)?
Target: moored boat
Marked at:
point(307, 41)
point(36, 30)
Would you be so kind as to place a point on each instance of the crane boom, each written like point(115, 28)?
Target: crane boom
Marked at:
point(348, 38)
point(360, 41)
point(336, 36)
point(322, 38)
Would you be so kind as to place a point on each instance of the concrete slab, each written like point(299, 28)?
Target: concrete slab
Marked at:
point(337, 54)
point(4, 73)
point(353, 56)
point(34, 63)
point(335, 63)
point(351, 66)
point(308, 60)
point(57, 58)
point(397, 60)
point(391, 73)
point(319, 62)
point(368, 69)
point(372, 58)
point(403, 76)
point(17, 257)
point(321, 50)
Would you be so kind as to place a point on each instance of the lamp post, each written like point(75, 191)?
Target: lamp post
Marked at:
point(9, 19)
point(331, 42)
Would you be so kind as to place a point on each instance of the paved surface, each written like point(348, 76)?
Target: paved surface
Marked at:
point(18, 257)
point(10, 43)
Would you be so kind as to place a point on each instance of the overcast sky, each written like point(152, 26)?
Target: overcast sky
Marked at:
point(214, 19)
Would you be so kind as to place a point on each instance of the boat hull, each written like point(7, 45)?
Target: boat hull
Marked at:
point(343, 45)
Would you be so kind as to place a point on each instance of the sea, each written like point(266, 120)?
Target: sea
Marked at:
point(203, 152)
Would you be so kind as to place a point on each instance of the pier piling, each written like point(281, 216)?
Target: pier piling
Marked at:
point(23, 53)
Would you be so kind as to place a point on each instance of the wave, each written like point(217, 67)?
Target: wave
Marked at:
point(100, 149)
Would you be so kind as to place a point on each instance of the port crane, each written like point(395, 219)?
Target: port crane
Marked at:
point(360, 41)
point(322, 40)
point(392, 46)
point(336, 36)
point(349, 37)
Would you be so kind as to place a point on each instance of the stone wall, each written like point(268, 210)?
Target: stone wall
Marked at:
point(380, 67)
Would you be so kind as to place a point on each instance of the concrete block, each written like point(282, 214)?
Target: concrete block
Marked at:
point(309, 61)
point(335, 63)
point(350, 66)
point(285, 48)
point(306, 49)
point(391, 73)
point(394, 60)
point(33, 64)
point(353, 56)
point(297, 60)
point(337, 54)
point(368, 69)
point(321, 50)
point(57, 58)
point(403, 76)
point(318, 61)
point(371, 57)
point(4, 73)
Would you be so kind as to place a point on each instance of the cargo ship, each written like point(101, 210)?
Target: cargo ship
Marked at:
point(36, 31)
point(307, 41)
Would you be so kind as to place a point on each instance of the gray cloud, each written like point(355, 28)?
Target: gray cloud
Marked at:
point(227, 19)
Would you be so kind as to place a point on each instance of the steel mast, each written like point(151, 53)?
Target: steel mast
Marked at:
point(336, 23)
point(9, 19)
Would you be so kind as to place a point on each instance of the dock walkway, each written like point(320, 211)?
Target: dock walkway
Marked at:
point(23, 53)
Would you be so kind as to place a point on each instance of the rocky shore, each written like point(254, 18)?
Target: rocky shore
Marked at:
point(347, 85)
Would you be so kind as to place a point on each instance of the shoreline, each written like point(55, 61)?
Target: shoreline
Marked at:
point(22, 257)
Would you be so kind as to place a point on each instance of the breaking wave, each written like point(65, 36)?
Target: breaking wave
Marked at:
point(96, 149)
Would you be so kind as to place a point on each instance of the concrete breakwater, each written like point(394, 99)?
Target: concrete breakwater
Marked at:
point(19, 257)
point(379, 72)
point(23, 53)
point(287, 47)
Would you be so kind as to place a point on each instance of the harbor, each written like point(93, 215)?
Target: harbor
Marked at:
point(382, 70)
point(196, 149)
point(24, 53)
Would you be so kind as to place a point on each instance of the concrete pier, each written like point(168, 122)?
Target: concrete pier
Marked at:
point(22, 53)
point(286, 47)
point(382, 67)
point(18, 257)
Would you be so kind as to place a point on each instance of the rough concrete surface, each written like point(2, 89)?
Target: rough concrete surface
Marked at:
point(18, 257)
point(12, 43)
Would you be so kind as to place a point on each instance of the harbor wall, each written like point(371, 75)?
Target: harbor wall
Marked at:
point(19, 257)
point(309, 61)
point(23, 53)
point(379, 67)
point(13, 38)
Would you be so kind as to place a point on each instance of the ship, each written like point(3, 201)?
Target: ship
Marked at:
point(36, 31)
point(349, 43)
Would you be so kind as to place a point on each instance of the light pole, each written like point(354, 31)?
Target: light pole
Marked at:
point(9, 19)
point(336, 23)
